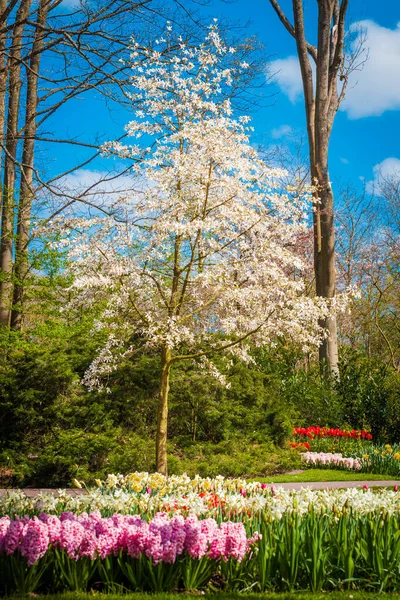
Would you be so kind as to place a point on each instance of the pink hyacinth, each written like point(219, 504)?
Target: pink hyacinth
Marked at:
point(68, 516)
point(135, 537)
point(53, 526)
point(164, 539)
point(107, 537)
point(13, 536)
point(71, 536)
point(35, 541)
point(235, 540)
point(196, 540)
point(229, 541)
point(4, 524)
point(88, 546)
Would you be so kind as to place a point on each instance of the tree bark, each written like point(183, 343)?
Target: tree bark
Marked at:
point(162, 413)
point(325, 272)
point(324, 248)
point(7, 217)
point(26, 189)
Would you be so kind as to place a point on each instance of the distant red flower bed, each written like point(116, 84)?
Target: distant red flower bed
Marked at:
point(320, 432)
point(301, 446)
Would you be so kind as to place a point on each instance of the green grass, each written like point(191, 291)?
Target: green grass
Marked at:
point(310, 475)
point(348, 595)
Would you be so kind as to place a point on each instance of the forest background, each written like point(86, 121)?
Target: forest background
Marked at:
point(52, 428)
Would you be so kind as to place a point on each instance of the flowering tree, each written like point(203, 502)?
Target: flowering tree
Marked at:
point(202, 260)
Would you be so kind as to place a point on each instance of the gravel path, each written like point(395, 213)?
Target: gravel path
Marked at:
point(315, 485)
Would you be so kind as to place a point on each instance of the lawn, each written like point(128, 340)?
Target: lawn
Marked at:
point(310, 475)
point(348, 595)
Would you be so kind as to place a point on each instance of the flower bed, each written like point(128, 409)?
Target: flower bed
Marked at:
point(279, 540)
point(332, 432)
point(122, 549)
point(222, 499)
point(354, 442)
point(382, 459)
point(328, 460)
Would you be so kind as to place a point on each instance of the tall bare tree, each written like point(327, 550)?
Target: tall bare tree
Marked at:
point(27, 186)
point(13, 67)
point(322, 99)
point(83, 46)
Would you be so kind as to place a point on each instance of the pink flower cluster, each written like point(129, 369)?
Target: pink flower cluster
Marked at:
point(335, 460)
point(91, 535)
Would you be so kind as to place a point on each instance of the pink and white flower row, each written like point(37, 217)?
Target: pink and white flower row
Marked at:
point(329, 459)
point(90, 535)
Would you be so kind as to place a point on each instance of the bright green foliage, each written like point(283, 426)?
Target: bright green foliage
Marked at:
point(53, 429)
point(370, 395)
point(233, 458)
point(310, 475)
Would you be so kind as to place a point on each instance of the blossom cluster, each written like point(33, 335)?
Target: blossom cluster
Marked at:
point(331, 459)
point(320, 432)
point(163, 539)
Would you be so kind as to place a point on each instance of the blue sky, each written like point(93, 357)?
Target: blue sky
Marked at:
point(365, 134)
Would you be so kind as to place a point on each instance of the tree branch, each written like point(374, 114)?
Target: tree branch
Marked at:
point(291, 29)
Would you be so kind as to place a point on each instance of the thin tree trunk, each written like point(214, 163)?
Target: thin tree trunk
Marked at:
point(7, 217)
point(324, 248)
point(162, 413)
point(26, 192)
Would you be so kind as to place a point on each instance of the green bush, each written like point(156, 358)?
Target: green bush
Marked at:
point(233, 458)
point(81, 455)
point(370, 395)
point(203, 410)
point(53, 429)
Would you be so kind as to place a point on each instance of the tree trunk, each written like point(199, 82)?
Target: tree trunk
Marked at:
point(325, 273)
point(7, 217)
point(26, 192)
point(324, 243)
point(162, 413)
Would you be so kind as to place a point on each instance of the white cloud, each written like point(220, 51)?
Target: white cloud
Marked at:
point(281, 131)
point(345, 161)
point(387, 168)
point(288, 76)
point(373, 89)
point(98, 188)
point(376, 88)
